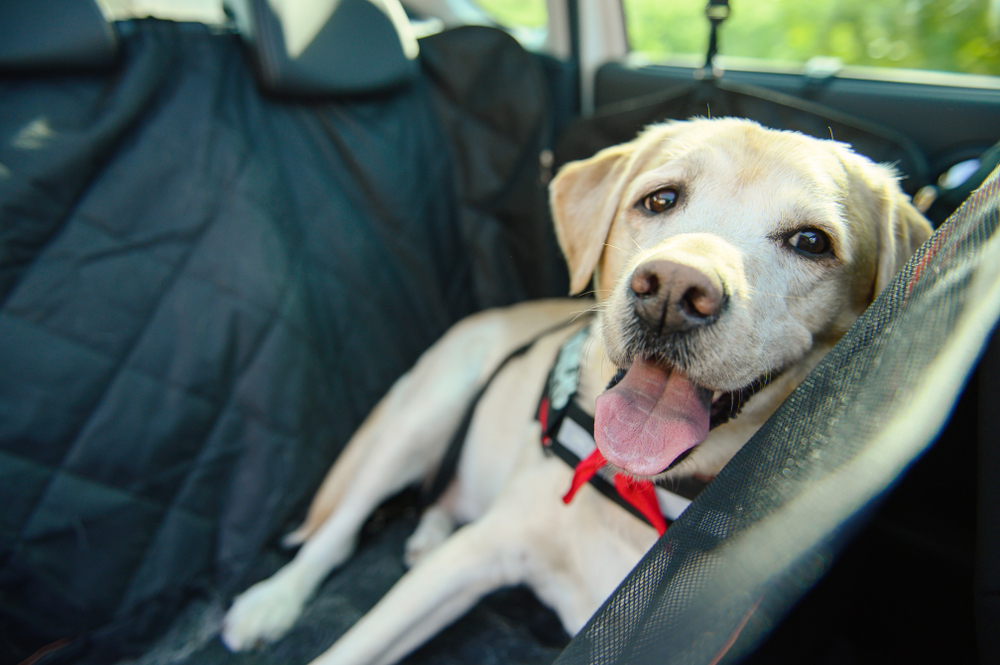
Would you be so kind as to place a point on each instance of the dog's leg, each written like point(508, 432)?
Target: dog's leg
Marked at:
point(440, 588)
point(522, 538)
point(436, 524)
point(400, 443)
point(422, 410)
point(266, 611)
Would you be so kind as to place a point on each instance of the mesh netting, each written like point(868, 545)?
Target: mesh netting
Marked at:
point(769, 525)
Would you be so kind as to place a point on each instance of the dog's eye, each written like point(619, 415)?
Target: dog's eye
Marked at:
point(810, 241)
point(661, 200)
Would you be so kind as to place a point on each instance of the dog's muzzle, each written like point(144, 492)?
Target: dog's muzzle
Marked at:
point(653, 414)
point(673, 298)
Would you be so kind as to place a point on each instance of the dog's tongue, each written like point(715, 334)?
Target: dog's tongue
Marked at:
point(652, 416)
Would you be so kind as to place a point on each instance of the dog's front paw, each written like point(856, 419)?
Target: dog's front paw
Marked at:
point(263, 613)
point(434, 528)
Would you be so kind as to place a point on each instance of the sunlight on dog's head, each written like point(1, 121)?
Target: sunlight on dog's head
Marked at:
point(799, 233)
point(726, 260)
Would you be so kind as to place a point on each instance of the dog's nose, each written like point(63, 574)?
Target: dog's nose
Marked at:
point(673, 297)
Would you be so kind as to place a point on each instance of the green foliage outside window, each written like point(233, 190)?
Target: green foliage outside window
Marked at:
point(941, 35)
point(516, 13)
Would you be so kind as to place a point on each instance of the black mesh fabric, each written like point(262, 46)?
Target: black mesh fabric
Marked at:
point(770, 524)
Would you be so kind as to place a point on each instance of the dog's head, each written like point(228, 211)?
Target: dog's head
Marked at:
point(723, 253)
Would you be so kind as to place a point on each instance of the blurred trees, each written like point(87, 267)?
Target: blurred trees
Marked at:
point(944, 35)
point(516, 13)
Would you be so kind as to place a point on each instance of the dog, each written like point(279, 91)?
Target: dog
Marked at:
point(725, 258)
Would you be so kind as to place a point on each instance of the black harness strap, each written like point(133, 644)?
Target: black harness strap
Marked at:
point(449, 463)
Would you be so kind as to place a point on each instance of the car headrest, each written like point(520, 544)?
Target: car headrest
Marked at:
point(55, 34)
point(327, 47)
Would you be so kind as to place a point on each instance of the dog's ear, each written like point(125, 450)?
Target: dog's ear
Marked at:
point(901, 232)
point(900, 227)
point(584, 197)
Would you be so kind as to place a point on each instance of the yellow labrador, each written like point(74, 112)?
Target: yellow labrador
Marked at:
point(726, 260)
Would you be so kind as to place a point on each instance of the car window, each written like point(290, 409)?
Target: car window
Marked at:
point(527, 20)
point(514, 14)
point(939, 35)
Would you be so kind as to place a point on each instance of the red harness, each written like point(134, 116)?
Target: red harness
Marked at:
point(639, 494)
point(640, 497)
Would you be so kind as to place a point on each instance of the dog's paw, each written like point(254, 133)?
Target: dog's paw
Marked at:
point(263, 613)
point(434, 528)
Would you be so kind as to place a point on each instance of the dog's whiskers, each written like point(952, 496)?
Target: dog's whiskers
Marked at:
point(596, 307)
point(594, 292)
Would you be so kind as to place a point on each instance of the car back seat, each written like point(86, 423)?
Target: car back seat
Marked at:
point(214, 262)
